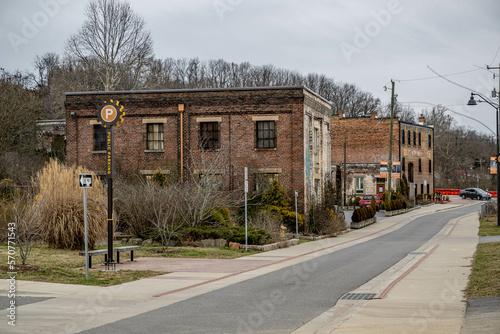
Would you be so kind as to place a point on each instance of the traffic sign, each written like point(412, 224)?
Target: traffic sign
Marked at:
point(246, 179)
point(111, 113)
point(85, 180)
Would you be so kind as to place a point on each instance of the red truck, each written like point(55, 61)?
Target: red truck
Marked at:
point(367, 201)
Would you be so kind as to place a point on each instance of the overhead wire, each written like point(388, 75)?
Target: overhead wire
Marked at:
point(438, 76)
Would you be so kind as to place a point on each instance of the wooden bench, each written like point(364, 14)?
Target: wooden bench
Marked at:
point(116, 250)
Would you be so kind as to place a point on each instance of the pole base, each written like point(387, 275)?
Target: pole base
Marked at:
point(110, 266)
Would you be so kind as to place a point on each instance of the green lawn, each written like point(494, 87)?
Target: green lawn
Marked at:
point(489, 226)
point(485, 277)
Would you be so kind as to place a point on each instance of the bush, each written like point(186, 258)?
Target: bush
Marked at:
point(363, 213)
point(63, 215)
point(218, 217)
point(276, 201)
point(134, 207)
point(356, 216)
point(268, 221)
point(231, 234)
point(328, 221)
point(312, 222)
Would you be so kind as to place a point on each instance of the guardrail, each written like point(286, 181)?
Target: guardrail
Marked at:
point(457, 192)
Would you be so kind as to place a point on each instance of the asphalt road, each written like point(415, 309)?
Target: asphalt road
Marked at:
point(282, 301)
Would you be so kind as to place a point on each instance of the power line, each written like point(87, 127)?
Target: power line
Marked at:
point(438, 76)
point(496, 54)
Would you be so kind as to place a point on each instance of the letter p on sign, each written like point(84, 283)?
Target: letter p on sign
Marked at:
point(109, 113)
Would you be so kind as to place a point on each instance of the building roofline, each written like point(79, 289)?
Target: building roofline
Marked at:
point(190, 90)
point(430, 127)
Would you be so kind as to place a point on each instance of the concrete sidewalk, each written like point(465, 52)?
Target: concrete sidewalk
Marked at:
point(409, 302)
point(423, 293)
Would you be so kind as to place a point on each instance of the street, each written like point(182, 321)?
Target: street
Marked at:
point(283, 300)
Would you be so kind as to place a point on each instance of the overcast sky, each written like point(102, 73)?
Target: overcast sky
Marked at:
point(365, 42)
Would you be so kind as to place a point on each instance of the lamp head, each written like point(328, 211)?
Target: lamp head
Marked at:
point(472, 102)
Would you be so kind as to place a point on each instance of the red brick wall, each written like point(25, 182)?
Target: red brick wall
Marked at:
point(237, 130)
point(367, 139)
point(412, 153)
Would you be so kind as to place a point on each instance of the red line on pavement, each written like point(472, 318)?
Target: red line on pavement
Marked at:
point(389, 288)
point(393, 284)
point(269, 264)
point(454, 225)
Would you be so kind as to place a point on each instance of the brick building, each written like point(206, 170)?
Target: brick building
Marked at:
point(417, 156)
point(366, 141)
point(278, 132)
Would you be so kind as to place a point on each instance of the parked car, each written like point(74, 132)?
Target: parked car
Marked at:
point(367, 201)
point(474, 193)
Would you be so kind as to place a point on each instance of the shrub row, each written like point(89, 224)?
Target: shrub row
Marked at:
point(396, 204)
point(230, 233)
point(363, 213)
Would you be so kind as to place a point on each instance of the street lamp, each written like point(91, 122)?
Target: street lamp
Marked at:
point(473, 102)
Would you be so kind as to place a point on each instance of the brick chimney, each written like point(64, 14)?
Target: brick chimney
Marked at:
point(373, 114)
point(421, 120)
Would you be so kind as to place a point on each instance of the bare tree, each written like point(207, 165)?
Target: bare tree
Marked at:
point(206, 187)
point(114, 39)
point(25, 213)
point(19, 108)
point(165, 204)
point(403, 113)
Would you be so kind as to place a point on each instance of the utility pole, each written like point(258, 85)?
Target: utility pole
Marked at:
point(345, 168)
point(498, 145)
point(389, 175)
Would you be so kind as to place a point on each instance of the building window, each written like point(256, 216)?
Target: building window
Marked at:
point(264, 180)
point(414, 138)
point(155, 136)
point(409, 138)
point(428, 189)
point(209, 135)
point(99, 138)
point(265, 134)
point(419, 139)
point(422, 189)
point(359, 183)
point(403, 137)
point(420, 165)
point(403, 160)
point(316, 140)
point(430, 141)
point(410, 172)
point(430, 166)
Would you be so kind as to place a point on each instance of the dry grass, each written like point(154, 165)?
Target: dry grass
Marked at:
point(66, 266)
point(62, 211)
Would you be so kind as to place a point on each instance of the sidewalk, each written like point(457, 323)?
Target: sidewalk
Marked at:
point(408, 303)
point(423, 293)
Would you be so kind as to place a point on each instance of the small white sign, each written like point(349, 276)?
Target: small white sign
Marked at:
point(246, 179)
point(85, 180)
point(425, 183)
point(296, 193)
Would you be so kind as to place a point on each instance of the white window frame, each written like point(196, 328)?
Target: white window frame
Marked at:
point(359, 185)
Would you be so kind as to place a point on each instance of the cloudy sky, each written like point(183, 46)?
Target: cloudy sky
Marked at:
point(365, 42)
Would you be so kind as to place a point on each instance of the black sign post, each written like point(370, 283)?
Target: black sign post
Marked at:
point(110, 114)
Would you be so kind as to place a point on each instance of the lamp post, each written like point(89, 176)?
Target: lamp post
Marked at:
point(473, 102)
